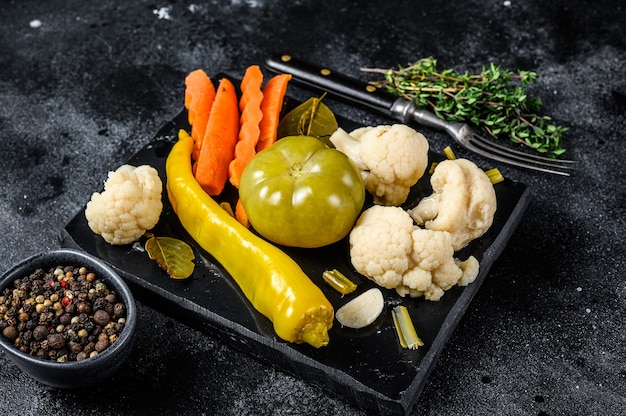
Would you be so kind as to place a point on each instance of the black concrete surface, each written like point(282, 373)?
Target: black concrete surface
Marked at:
point(84, 85)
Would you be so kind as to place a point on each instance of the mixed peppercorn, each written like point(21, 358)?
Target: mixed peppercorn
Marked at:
point(63, 314)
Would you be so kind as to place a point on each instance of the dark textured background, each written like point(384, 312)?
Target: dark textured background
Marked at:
point(545, 334)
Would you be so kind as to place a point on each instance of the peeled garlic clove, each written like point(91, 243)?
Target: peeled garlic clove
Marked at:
point(362, 310)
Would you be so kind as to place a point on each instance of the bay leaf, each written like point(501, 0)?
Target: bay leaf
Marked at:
point(311, 118)
point(171, 254)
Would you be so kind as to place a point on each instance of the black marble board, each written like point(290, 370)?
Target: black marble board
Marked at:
point(366, 367)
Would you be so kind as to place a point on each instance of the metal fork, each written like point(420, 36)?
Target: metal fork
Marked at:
point(404, 110)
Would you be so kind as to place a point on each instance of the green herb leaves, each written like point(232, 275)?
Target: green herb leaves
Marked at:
point(494, 100)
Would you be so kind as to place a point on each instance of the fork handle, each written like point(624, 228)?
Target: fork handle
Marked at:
point(334, 83)
point(355, 91)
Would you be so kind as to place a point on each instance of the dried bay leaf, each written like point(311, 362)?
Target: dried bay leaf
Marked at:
point(311, 118)
point(173, 255)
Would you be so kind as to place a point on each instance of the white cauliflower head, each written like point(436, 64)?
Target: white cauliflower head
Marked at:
point(388, 248)
point(381, 244)
point(392, 158)
point(463, 202)
point(129, 205)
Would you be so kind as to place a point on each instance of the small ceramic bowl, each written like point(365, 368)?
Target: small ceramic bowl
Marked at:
point(74, 374)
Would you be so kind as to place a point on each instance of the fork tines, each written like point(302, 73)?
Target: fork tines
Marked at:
point(487, 148)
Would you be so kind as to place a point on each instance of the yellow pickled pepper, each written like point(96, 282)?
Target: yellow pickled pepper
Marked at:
point(271, 280)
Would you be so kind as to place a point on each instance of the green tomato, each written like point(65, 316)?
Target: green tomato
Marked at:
point(301, 193)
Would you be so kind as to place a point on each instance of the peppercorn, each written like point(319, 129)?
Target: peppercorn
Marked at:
point(26, 337)
point(44, 317)
point(83, 317)
point(89, 347)
point(40, 333)
point(10, 333)
point(83, 307)
point(71, 334)
point(109, 308)
point(56, 341)
point(101, 317)
point(89, 326)
point(75, 347)
point(65, 319)
point(102, 344)
point(69, 307)
point(119, 310)
point(99, 303)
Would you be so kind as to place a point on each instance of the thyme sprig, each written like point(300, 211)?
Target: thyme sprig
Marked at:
point(494, 100)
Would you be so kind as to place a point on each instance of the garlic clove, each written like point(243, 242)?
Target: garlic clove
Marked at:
point(362, 310)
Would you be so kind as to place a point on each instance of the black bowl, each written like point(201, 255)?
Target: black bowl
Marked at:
point(87, 372)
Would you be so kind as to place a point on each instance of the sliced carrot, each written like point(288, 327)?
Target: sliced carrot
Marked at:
point(241, 215)
point(273, 97)
point(251, 115)
point(218, 143)
point(199, 97)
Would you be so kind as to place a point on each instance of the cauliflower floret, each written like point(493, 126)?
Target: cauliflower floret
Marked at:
point(415, 282)
point(432, 253)
point(463, 202)
point(447, 274)
point(431, 248)
point(129, 205)
point(392, 158)
point(388, 248)
point(381, 244)
point(470, 269)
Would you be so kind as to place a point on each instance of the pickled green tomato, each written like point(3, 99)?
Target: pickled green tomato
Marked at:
point(301, 193)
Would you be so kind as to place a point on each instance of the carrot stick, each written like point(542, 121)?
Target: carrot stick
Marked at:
point(251, 115)
point(199, 97)
point(220, 137)
point(271, 106)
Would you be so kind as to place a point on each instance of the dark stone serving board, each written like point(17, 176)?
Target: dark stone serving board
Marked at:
point(367, 367)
